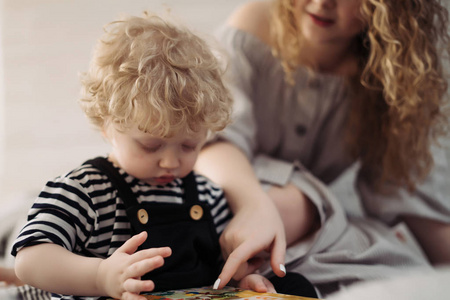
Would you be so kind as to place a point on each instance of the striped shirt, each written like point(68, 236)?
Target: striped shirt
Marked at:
point(27, 292)
point(81, 211)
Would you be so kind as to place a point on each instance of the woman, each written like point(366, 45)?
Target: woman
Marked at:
point(320, 85)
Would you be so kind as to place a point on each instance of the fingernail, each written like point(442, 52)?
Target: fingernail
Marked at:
point(216, 284)
point(283, 268)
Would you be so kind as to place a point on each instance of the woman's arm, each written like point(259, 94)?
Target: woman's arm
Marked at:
point(433, 236)
point(53, 268)
point(256, 225)
point(8, 276)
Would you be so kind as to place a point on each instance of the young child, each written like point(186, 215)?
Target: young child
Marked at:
point(139, 219)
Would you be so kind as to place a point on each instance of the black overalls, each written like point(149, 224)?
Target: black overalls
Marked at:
point(188, 229)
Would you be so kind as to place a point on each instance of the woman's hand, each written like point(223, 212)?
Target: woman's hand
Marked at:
point(256, 225)
point(253, 229)
point(119, 275)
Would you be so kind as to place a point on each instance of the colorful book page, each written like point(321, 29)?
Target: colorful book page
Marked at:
point(206, 293)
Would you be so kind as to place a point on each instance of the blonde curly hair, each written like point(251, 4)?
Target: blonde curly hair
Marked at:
point(149, 72)
point(400, 91)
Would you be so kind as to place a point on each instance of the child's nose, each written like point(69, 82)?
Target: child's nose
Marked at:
point(169, 160)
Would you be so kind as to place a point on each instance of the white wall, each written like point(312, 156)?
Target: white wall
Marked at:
point(2, 101)
point(46, 44)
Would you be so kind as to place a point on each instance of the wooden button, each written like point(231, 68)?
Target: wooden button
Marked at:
point(142, 216)
point(196, 212)
point(314, 83)
point(300, 129)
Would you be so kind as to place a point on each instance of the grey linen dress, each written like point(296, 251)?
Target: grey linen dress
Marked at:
point(295, 134)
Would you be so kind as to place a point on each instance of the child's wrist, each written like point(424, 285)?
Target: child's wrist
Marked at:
point(101, 278)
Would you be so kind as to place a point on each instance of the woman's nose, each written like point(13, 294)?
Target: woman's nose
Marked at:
point(326, 3)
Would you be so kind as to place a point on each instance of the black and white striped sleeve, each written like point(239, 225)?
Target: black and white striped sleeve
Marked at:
point(62, 214)
point(214, 195)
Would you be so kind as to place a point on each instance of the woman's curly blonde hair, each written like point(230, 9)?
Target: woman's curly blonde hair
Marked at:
point(400, 92)
point(157, 75)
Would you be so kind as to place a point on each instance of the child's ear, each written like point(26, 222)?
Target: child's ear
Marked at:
point(106, 132)
point(105, 135)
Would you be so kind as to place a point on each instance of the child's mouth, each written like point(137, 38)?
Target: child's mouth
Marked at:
point(164, 179)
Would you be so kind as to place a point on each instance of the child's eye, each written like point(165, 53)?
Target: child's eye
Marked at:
point(151, 148)
point(188, 147)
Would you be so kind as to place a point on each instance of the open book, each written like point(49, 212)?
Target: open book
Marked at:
point(225, 293)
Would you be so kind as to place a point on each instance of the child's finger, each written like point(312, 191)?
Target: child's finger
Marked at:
point(257, 283)
point(131, 245)
point(136, 286)
point(149, 253)
point(132, 296)
point(269, 286)
point(161, 251)
point(142, 267)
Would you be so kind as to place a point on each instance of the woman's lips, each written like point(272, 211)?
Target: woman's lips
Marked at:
point(322, 22)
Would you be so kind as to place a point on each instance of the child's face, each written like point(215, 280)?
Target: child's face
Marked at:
point(329, 21)
point(153, 159)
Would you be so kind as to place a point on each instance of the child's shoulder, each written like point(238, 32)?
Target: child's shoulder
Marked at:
point(84, 175)
point(206, 183)
point(84, 186)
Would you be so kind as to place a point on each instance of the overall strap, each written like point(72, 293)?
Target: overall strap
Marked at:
point(118, 182)
point(190, 189)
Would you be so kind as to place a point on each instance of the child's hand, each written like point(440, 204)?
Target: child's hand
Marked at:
point(119, 275)
point(257, 283)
